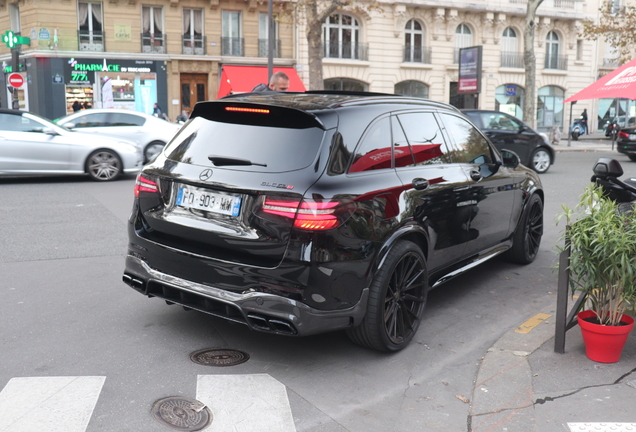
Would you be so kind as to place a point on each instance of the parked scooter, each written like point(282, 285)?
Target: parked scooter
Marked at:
point(606, 174)
point(577, 129)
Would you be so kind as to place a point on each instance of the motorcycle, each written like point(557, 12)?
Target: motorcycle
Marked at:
point(606, 175)
point(577, 129)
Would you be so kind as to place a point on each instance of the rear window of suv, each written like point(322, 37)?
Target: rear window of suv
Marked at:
point(279, 149)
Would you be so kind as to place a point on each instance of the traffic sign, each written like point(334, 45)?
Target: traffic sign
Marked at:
point(16, 80)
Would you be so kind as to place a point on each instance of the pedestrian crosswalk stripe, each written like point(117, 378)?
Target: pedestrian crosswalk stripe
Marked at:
point(246, 403)
point(51, 404)
point(602, 427)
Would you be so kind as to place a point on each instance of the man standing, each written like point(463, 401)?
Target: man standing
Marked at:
point(584, 121)
point(278, 82)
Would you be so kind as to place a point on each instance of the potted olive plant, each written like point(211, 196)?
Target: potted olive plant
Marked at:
point(602, 266)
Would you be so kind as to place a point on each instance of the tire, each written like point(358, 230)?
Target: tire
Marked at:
point(527, 237)
point(540, 160)
point(396, 300)
point(152, 150)
point(103, 165)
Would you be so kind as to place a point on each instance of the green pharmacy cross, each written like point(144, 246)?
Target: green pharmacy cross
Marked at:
point(11, 40)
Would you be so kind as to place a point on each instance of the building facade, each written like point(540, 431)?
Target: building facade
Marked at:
point(169, 52)
point(412, 47)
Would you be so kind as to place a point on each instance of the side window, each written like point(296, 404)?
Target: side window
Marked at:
point(401, 150)
point(16, 123)
point(122, 119)
point(472, 147)
point(499, 122)
point(374, 152)
point(425, 138)
point(91, 120)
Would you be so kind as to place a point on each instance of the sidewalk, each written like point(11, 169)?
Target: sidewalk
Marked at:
point(591, 142)
point(524, 386)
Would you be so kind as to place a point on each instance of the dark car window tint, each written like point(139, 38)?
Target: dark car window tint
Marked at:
point(425, 138)
point(374, 152)
point(122, 119)
point(91, 120)
point(496, 121)
point(401, 150)
point(472, 147)
point(279, 148)
point(16, 123)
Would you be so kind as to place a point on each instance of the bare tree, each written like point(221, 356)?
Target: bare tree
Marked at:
point(617, 25)
point(530, 63)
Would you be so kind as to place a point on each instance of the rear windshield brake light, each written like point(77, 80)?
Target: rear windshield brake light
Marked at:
point(248, 110)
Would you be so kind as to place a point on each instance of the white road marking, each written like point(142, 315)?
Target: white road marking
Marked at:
point(602, 427)
point(245, 403)
point(52, 404)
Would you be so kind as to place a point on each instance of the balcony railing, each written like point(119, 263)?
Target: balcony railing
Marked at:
point(346, 51)
point(153, 43)
point(263, 45)
point(610, 63)
point(90, 40)
point(556, 62)
point(417, 54)
point(232, 46)
point(512, 59)
point(193, 44)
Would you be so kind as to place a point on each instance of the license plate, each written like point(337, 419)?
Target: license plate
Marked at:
point(188, 197)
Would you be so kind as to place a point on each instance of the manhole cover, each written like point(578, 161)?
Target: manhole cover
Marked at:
point(219, 357)
point(181, 413)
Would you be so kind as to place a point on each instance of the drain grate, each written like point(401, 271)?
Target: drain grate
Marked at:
point(219, 357)
point(181, 413)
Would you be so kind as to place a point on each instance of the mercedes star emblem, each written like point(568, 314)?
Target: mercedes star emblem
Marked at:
point(205, 175)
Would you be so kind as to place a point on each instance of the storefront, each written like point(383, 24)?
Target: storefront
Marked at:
point(54, 84)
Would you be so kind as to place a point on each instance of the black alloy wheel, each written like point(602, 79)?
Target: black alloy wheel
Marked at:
point(527, 237)
point(396, 300)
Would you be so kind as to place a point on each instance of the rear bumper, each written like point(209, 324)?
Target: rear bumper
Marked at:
point(628, 147)
point(259, 311)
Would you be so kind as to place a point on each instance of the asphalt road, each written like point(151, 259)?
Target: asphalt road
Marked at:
point(64, 312)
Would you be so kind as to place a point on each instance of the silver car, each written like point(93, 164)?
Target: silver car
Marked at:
point(149, 132)
point(33, 145)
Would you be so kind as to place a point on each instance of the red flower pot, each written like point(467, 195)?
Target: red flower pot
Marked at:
point(604, 344)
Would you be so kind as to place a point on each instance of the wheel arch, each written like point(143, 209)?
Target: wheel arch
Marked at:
point(413, 233)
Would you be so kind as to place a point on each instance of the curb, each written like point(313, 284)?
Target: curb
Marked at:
point(503, 396)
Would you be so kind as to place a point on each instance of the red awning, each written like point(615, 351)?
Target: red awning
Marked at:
point(620, 83)
point(242, 79)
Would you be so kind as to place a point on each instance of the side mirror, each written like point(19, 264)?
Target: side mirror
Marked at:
point(510, 158)
point(69, 125)
point(50, 131)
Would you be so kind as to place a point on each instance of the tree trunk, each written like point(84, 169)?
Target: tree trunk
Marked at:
point(315, 50)
point(530, 63)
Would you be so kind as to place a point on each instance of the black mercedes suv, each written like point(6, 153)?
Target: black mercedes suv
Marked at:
point(302, 213)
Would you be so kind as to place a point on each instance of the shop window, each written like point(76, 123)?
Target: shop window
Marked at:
point(231, 40)
point(342, 38)
point(550, 107)
point(90, 20)
point(411, 88)
point(263, 35)
point(509, 99)
point(345, 84)
point(153, 38)
point(193, 38)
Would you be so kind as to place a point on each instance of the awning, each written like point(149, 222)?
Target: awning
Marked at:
point(620, 83)
point(242, 79)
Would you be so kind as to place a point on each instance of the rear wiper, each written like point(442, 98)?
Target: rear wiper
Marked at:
point(222, 161)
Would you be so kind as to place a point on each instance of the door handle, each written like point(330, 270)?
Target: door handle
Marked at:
point(420, 184)
point(475, 175)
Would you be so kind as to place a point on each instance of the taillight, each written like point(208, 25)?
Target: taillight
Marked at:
point(144, 184)
point(311, 214)
point(622, 134)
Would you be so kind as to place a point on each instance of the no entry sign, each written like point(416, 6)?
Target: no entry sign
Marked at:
point(16, 80)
